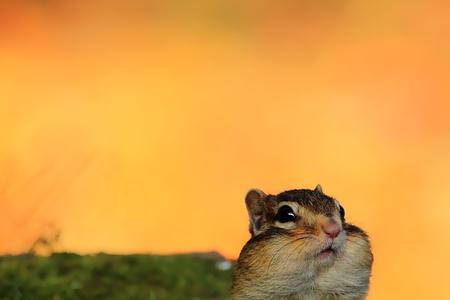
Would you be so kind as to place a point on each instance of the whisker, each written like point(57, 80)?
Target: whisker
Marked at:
point(358, 242)
point(295, 250)
point(282, 247)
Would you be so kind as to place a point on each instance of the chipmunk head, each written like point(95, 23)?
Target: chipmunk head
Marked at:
point(309, 220)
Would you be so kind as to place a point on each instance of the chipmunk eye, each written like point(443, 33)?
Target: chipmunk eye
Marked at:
point(341, 211)
point(285, 214)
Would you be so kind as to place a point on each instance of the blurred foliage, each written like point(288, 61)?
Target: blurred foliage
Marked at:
point(69, 276)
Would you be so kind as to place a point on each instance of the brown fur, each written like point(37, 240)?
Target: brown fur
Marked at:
point(281, 260)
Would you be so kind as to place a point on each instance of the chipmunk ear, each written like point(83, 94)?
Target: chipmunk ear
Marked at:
point(255, 208)
point(318, 189)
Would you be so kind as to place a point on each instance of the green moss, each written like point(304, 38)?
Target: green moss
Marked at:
point(69, 276)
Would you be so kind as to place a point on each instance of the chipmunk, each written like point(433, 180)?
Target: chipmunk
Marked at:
point(301, 248)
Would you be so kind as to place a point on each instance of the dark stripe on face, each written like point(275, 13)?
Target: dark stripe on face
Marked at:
point(311, 200)
point(353, 230)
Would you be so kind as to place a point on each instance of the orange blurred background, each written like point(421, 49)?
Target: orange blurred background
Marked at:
point(138, 126)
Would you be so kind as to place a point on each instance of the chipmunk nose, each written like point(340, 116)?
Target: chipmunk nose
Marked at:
point(331, 228)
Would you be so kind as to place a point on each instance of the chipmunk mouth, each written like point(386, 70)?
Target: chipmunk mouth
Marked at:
point(327, 252)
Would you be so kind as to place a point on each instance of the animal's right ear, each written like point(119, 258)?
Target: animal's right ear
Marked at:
point(318, 189)
point(255, 208)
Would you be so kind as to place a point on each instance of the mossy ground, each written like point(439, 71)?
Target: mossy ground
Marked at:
point(66, 276)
